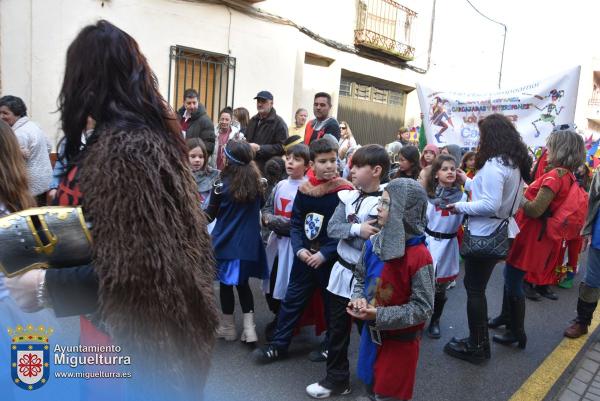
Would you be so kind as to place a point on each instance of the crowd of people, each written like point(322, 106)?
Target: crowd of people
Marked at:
point(339, 234)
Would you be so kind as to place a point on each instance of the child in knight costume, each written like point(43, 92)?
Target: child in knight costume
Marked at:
point(315, 252)
point(393, 292)
point(150, 277)
point(353, 222)
point(442, 228)
point(276, 217)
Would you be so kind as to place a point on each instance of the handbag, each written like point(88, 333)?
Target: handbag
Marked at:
point(493, 246)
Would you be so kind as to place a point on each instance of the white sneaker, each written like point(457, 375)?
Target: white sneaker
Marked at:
point(315, 390)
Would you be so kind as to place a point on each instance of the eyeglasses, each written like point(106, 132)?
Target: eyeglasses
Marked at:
point(383, 204)
point(342, 127)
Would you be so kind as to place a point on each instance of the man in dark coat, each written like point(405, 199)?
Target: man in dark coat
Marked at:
point(195, 122)
point(266, 131)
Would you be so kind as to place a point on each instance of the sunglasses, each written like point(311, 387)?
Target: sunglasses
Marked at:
point(342, 127)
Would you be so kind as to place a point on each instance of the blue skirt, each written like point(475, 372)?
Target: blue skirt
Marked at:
point(236, 271)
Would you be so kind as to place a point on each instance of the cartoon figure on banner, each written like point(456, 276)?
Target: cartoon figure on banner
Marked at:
point(440, 116)
point(30, 356)
point(551, 110)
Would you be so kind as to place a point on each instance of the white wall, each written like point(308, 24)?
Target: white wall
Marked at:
point(36, 33)
point(541, 41)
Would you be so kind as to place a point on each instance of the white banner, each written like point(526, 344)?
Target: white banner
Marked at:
point(535, 109)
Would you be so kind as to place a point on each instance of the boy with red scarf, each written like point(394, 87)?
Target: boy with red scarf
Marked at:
point(315, 252)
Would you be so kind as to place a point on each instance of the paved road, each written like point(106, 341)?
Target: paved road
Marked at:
point(234, 375)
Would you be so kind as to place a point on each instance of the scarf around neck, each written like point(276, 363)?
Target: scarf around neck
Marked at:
point(446, 195)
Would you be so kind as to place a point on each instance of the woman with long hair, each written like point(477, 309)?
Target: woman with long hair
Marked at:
point(14, 196)
point(14, 187)
point(150, 280)
point(346, 141)
point(503, 163)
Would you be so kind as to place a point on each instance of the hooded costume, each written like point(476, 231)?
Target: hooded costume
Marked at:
point(152, 270)
point(395, 274)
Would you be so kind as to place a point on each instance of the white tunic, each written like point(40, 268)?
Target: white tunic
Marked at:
point(444, 252)
point(283, 201)
point(341, 278)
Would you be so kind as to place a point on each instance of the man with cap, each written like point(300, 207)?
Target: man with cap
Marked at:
point(266, 131)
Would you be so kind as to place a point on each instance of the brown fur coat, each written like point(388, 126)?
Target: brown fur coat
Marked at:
point(152, 254)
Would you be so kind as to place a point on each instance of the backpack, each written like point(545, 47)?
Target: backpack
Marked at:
point(568, 219)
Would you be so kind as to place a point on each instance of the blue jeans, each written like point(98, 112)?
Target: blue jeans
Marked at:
point(513, 281)
point(592, 273)
point(303, 282)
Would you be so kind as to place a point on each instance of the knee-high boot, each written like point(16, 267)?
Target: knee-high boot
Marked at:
point(515, 329)
point(433, 331)
point(503, 318)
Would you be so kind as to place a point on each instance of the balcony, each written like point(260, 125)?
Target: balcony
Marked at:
point(385, 26)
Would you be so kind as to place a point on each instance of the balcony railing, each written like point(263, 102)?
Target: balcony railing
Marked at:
point(385, 25)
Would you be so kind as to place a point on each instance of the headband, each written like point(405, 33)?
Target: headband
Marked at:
point(233, 159)
point(296, 142)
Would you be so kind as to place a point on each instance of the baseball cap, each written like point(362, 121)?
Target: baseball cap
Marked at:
point(264, 95)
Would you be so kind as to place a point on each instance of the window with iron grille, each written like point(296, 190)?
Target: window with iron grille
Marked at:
point(345, 87)
point(380, 95)
point(362, 91)
point(211, 74)
point(396, 98)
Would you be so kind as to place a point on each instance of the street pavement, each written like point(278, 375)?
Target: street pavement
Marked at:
point(235, 376)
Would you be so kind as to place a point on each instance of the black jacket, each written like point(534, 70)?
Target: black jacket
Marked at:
point(200, 126)
point(269, 133)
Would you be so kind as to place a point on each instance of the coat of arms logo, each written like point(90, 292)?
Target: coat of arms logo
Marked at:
point(30, 356)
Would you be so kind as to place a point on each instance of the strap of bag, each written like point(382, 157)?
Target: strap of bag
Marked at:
point(466, 220)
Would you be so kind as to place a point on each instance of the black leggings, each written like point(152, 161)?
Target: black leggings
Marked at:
point(228, 299)
point(477, 275)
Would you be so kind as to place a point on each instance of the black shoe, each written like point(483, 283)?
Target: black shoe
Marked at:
point(269, 353)
point(515, 329)
point(546, 292)
point(467, 352)
point(439, 300)
point(433, 331)
point(510, 338)
point(475, 350)
point(319, 355)
point(530, 292)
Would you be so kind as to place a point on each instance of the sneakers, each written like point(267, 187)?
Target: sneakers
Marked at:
point(269, 353)
point(319, 355)
point(451, 285)
point(315, 390)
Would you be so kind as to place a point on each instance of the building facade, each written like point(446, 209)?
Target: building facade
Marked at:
point(368, 54)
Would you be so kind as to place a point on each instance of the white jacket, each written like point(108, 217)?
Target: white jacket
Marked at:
point(33, 140)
